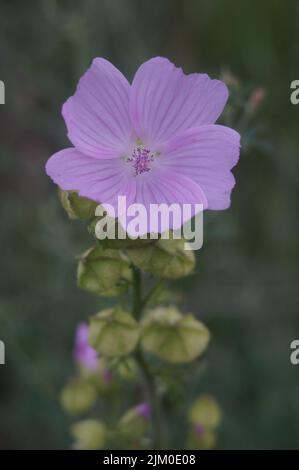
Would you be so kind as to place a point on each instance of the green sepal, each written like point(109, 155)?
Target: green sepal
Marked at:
point(113, 332)
point(77, 207)
point(165, 258)
point(104, 272)
point(173, 337)
point(78, 396)
point(89, 434)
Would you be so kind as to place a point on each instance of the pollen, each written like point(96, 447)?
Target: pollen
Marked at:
point(141, 160)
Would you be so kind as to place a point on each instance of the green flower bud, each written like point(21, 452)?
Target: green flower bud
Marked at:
point(165, 258)
point(89, 434)
point(173, 337)
point(205, 417)
point(127, 369)
point(101, 377)
point(127, 244)
point(104, 272)
point(204, 440)
point(134, 422)
point(77, 207)
point(78, 396)
point(205, 411)
point(110, 234)
point(113, 332)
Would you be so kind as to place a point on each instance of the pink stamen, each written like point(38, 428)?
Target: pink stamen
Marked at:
point(141, 159)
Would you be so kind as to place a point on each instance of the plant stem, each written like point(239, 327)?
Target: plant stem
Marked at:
point(149, 378)
point(152, 397)
point(137, 293)
point(151, 292)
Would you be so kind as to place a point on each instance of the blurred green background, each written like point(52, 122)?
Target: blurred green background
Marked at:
point(245, 286)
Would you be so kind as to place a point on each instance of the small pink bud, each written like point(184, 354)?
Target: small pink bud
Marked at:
point(84, 354)
point(198, 428)
point(256, 98)
point(144, 410)
point(107, 376)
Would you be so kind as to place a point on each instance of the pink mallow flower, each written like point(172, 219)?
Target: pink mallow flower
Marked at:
point(154, 141)
point(84, 354)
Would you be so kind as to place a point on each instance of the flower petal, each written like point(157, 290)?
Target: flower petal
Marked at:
point(164, 100)
point(168, 188)
point(83, 353)
point(97, 116)
point(206, 154)
point(99, 180)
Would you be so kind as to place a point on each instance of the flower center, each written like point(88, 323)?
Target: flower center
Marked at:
point(141, 160)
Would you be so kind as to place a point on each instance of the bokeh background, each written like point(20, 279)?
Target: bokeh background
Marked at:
point(245, 285)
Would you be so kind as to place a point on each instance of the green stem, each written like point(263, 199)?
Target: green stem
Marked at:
point(151, 292)
point(152, 397)
point(137, 293)
point(149, 379)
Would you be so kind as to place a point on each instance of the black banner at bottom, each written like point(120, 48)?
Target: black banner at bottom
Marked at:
point(151, 459)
